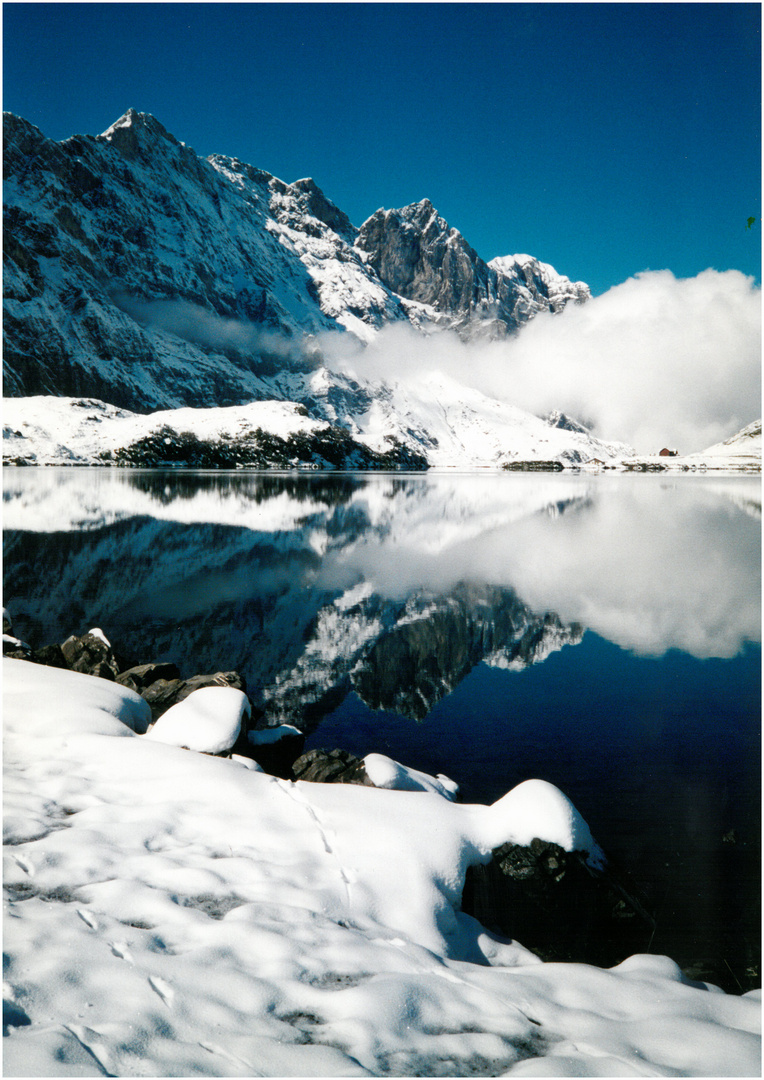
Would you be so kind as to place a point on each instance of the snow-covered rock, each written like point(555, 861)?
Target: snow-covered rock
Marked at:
point(537, 808)
point(537, 286)
point(270, 735)
point(208, 720)
point(47, 430)
point(383, 772)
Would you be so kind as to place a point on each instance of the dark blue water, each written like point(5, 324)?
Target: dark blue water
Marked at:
point(599, 633)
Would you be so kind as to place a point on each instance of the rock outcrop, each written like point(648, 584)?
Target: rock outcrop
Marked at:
point(331, 767)
point(558, 905)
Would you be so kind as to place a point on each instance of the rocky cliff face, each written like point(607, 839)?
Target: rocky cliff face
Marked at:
point(421, 258)
point(141, 274)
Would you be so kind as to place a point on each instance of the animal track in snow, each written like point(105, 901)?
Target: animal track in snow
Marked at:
point(215, 1048)
point(24, 864)
point(290, 789)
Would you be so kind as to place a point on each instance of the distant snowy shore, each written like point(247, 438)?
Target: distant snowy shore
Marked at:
point(169, 913)
point(48, 430)
point(740, 453)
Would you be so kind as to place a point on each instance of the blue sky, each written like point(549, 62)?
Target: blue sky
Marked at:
point(605, 139)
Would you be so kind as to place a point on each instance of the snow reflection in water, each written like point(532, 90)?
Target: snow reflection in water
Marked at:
point(425, 617)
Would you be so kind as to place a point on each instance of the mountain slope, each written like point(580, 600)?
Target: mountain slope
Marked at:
point(142, 276)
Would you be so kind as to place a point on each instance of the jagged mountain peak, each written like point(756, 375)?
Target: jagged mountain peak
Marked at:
point(139, 136)
point(138, 121)
point(418, 255)
point(313, 200)
point(541, 279)
point(420, 215)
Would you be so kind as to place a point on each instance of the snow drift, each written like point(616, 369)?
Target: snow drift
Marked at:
point(171, 913)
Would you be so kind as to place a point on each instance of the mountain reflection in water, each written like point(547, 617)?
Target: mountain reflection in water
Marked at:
point(426, 617)
point(396, 585)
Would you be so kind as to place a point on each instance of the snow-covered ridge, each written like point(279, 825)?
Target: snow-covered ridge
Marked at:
point(134, 213)
point(434, 421)
point(259, 928)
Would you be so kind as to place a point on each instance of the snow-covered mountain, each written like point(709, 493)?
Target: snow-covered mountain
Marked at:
point(143, 276)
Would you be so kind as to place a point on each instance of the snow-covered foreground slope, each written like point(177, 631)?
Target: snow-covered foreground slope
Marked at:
point(171, 913)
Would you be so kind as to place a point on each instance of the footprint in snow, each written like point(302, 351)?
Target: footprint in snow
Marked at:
point(121, 950)
point(88, 919)
point(162, 989)
point(25, 865)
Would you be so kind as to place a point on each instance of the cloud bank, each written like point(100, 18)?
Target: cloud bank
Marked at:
point(654, 361)
point(199, 326)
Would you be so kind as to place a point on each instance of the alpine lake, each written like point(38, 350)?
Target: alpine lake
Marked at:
point(601, 632)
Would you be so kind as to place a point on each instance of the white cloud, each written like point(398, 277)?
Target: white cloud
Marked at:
point(196, 324)
point(654, 361)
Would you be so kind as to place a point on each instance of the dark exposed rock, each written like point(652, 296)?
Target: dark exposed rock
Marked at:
point(331, 767)
point(161, 694)
point(331, 448)
point(557, 905)
point(50, 656)
point(317, 204)
point(16, 650)
point(277, 758)
point(142, 676)
point(534, 466)
point(91, 654)
point(418, 256)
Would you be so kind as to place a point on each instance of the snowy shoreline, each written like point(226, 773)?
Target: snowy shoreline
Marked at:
point(281, 435)
point(172, 913)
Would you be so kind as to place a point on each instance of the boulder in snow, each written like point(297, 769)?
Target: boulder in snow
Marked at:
point(143, 675)
point(386, 773)
point(91, 654)
point(331, 767)
point(162, 693)
point(208, 720)
point(560, 907)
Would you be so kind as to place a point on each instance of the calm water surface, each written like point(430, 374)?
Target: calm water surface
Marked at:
point(600, 632)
